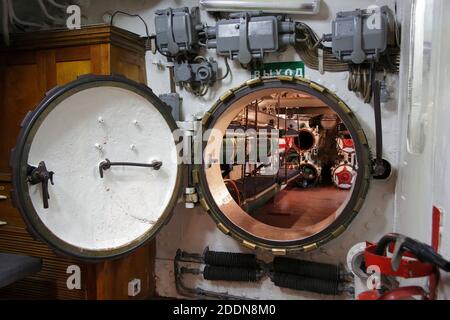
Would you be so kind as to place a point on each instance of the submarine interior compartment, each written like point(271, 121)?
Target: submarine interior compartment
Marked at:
point(302, 142)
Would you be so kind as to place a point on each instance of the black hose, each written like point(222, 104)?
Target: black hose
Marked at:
point(306, 268)
point(378, 122)
point(219, 273)
point(230, 259)
point(421, 251)
point(384, 243)
point(300, 283)
point(227, 64)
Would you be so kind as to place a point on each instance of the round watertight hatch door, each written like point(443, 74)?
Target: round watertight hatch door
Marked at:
point(95, 169)
point(272, 154)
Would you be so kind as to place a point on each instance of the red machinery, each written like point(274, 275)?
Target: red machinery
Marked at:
point(344, 176)
point(402, 257)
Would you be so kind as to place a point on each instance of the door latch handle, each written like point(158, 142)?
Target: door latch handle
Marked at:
point(41, 175)
point(106, 165)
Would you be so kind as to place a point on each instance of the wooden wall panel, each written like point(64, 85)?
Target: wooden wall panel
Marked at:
point(112, 282)
point(8, 213)
point(73, 54)
point(128, 63)
point(3, 141)
point(70, 70)
point(22, 93)
point(101, 59)
point(47, 70)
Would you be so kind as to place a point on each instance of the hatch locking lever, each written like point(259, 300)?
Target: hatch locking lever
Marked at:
point(40, 174)
point(107, 164)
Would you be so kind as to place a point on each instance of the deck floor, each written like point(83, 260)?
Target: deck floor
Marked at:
point(301, 207)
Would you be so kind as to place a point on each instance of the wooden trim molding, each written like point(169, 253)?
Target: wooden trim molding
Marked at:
point(88, 35)
point(5, 177)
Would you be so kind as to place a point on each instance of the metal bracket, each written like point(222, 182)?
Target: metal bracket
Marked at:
point(190, 129)
point(358, 55)
point(191, 197)
point(172, 46)
point(245, 56)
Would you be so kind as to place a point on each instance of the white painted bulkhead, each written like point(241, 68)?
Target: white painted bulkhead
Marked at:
point(193, 230)
point(425, 170)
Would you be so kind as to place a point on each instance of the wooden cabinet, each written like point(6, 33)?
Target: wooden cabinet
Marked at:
point(34, 64)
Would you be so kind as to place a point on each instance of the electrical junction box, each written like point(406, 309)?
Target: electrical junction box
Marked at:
point(177, 30)
point(248, 37)
point(361, 35)
point(203, 72)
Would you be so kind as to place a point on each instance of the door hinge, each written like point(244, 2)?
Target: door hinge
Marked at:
point(192, 137)
point(192, 143)
point(190, 198)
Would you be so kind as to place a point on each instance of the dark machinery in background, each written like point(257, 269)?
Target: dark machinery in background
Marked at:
point(310, 153)
point(305, 160)
point(344, 172)
point(284, 272)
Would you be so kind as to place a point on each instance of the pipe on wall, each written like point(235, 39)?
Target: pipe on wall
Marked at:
point(14, 19)
point(5, 22)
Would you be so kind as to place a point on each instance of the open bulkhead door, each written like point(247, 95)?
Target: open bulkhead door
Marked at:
point(95, 168)
point(280, 205)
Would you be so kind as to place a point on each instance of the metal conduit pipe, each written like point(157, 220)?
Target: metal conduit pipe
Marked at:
point(5, 22)
point(54, 3)
point(15, 19)
point(45, 11)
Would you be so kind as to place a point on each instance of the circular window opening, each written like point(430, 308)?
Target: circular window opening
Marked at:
point(269, 192)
